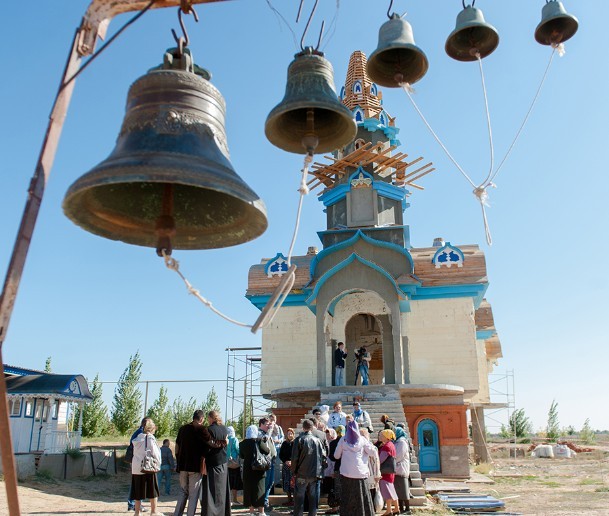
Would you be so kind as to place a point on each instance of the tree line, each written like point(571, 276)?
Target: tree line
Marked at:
point(127, 407)
point(520, 426)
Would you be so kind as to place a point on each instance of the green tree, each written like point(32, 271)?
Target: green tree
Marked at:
point(127, 403)
point(95, 420)
point(520, 424)
point(587, 435)
point(182, 412)
point(211, 402)
point(160, 412)
point(247, 417)
point(47, 365)
point(552, 429)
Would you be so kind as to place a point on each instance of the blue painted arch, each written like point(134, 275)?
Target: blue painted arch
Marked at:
point(428, 438)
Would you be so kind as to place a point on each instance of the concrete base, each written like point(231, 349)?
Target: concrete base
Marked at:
point(25, 464)
point(455, 461)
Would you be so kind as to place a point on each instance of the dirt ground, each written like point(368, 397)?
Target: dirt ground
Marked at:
point(578, 486)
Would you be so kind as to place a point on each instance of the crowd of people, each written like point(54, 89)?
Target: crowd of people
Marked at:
point(334, 455)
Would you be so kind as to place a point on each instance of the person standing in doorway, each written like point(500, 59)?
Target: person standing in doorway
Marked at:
point(190, 447)
point(340, 354)
point(363, 361)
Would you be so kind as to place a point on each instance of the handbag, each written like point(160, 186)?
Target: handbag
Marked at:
point(150, 464)
point(261, 461)
point(233, 463)
point(388, 465)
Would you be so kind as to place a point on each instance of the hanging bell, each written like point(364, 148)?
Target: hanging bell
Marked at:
point(169, 181)
point(556, 26)
point(396, 59)
point(472, 36)
point(310, 117)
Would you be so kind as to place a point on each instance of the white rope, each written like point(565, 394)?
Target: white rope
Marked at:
point(488, 122)
point(560, 50)
point(174, 265)
point(408, 89)
point(303, 190)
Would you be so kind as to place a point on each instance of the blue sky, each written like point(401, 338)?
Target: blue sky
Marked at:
point(90, 303)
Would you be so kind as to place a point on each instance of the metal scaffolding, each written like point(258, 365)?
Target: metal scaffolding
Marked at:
point(503, 392)
point(243, 381)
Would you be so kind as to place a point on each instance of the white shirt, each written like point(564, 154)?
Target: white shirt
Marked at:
point(336, 419)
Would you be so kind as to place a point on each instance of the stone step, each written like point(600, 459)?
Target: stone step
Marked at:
point(419, 501)
point(417, 491)
point(414, 475)
point(417, 482)
point(414, 466)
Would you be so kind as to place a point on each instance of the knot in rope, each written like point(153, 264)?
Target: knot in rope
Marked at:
point(482, 195)
point(560, 49)
point(170, 263)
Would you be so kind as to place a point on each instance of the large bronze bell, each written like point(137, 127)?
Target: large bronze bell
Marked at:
point(396, 59)
point(310, 117)
point(169, 181)
point(556, 26)
point(472, 36)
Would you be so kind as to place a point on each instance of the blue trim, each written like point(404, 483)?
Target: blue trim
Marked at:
point(476, 291)
point(404, 228)
point(337, 299)
point(359, 235)
point(485, 334)
point(33, 420)
point(337, 268)
point(448, 247)
point(270, 262)
point(384, 189)
point(260, 300)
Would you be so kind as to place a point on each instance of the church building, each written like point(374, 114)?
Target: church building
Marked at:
point(420, 312)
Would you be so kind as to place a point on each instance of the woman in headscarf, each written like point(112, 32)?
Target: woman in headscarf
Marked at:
point(354, 451)
point(324, 413)
point(234, 465)
point(388, 493)
point(285, 456)
point(253, 480)
point(373, 467)
point(402, 471)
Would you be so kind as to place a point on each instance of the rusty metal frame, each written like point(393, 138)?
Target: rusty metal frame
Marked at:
point(93, 26)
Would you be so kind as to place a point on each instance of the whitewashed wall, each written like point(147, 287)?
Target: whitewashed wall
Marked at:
point(289, 350)
point(442, 343)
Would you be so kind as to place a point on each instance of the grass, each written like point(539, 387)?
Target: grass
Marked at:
point(551, 483)
point(44, 476)
point(483, 468)
point(590, 482)
point(74, 453)
point(604, 489)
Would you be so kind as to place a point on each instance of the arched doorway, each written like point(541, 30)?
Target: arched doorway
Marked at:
point(365, 330)
point(429, 446)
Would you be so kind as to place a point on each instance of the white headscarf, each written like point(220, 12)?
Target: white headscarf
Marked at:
point(251, 432)
point(231, 431)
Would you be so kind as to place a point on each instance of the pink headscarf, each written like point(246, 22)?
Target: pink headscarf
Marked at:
point(352, 435)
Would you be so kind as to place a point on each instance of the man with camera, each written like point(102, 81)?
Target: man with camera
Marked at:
point(363, 358)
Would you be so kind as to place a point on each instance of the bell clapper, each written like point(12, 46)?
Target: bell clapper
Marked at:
point(165, 224)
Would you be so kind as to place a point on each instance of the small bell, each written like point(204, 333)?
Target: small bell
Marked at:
point(556, 26)
point(472, 36)
point(169, 182)
point(310, 117)
point(396, 59)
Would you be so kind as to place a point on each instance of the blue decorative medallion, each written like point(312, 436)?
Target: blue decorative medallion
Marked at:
point(447, 256)
point(276, 266)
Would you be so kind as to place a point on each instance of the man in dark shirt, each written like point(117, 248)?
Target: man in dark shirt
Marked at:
point(190, 447)
point(308, 463)
point(340, 353)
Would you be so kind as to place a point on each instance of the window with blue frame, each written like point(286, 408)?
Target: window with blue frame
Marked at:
point(357, 87)
point(29, 409)
point(15, 407)
point(374, 90)
point(359, 115)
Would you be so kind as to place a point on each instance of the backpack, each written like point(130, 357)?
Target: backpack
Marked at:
point(261, 461)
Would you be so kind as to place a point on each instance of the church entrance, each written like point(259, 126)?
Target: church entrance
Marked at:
point(365, 331)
